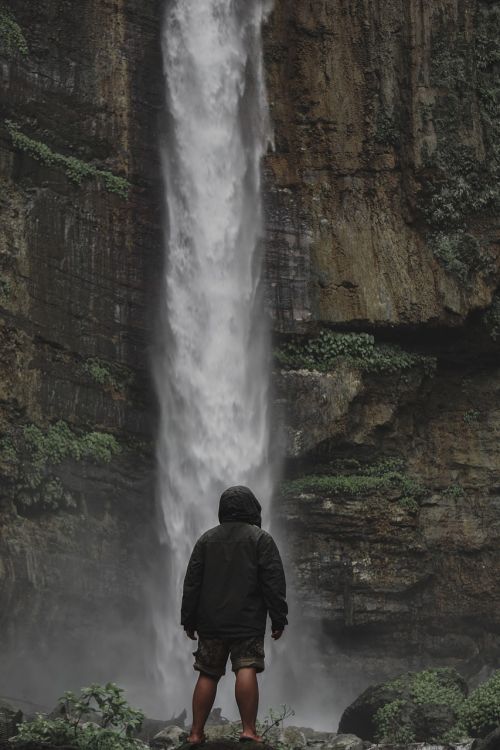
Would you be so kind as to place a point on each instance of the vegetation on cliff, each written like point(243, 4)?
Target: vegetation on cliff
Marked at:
point(461, 175)
point(75, 169)
point(386, 475)
point(30, 457)
point(12, 38)
point(326, 350)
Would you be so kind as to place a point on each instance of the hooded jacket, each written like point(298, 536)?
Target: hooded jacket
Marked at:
point(235, 575)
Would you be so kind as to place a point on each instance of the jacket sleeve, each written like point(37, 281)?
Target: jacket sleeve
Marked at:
point(272, 581)
point(192, 586)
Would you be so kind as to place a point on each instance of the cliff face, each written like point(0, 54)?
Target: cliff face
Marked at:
point(381, 208)
point(78, 263)
point(383, 213)
point(382, 202)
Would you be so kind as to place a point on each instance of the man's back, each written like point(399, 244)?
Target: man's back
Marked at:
point(241, 570)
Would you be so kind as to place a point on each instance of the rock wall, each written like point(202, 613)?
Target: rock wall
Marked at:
point(78, 264)
point(382, 215)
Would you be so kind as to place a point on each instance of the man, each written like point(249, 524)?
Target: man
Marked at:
point(234, 579)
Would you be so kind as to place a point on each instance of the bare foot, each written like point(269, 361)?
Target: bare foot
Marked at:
point(246, 737)
point(196, 739)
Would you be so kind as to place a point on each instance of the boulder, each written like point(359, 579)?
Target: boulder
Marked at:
point(490, 742)
point(424, 717)
point(170, 736)
point(344, 742)
point(10, 717)
point(292, 737)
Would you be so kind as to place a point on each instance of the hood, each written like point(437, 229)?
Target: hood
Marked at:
point(239, 504)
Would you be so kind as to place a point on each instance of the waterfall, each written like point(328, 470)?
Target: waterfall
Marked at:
point(211, 368)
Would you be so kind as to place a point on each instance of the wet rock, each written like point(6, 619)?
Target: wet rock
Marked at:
point(344, 742)
point(292, 737)
point(9, 719)
point(490, 742)
point(424, 722)
point(171, 736)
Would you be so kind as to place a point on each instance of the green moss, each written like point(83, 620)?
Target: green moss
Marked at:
point(12, 39)
point(387, 475)
point(108, 374)
point(459, 185)
point(325, 351)
point(75, 169)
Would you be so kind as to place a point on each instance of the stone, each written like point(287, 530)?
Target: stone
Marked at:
point(171, 736)
point(490, 742)
point(344, 742)
point(292, 737)
point(426, 721)
point(10, 717)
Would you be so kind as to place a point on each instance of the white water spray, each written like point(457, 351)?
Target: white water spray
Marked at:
point(211, 374)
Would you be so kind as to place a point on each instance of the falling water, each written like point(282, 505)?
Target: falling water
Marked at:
point(211, 371)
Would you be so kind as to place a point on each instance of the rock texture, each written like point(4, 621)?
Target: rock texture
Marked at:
point(361, 128)
point(382, 144)
point(78, 267)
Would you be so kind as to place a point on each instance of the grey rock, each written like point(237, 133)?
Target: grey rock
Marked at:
point(171, 736)
point(10, 717)
point(490, 742)
point(344, 742)
point(426, 722)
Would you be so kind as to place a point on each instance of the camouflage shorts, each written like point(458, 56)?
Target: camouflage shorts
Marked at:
point(211, 655)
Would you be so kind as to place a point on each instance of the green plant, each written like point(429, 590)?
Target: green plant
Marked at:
point(390, 726)
point(5, 287)
point(460, 180)
point(30, 458)
point(385, 475)
point(113, 375)
point(454, 491)
point(275, 718)
point(358, 349)
point(75, 169)
point(12, 38)
point(111, 726)
point(480, 713)
point(438, 686)
point(471, 416)
point(59, 442)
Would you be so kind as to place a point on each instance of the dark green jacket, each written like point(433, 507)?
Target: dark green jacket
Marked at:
point(235, 575)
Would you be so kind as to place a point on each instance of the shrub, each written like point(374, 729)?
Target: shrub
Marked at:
point(75, 169)
point(107, 374)
point(480, 713)
point(111, 727)
point(359, 349)
point(388, 474)
point(12, 38)
point(390, 724)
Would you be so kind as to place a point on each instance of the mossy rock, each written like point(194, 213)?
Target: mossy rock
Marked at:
point(415, 707)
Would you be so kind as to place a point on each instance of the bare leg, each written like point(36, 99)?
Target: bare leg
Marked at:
point(203, 700)
point(247, 697)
